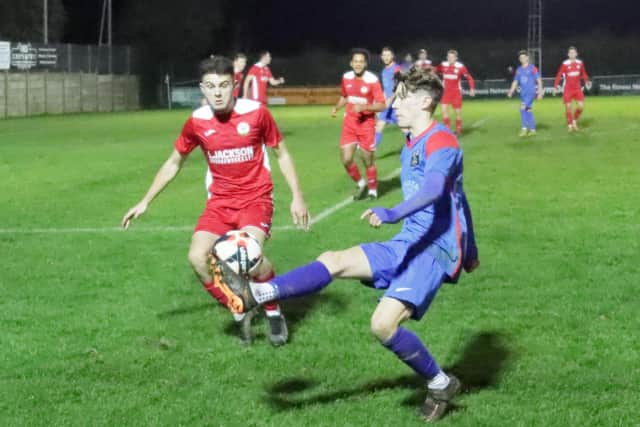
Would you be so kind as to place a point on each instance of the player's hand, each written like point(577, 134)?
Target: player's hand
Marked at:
point(588, 85)
point(334, 112)
point(300, 213)
point(133, 213)
point(373, 219)
point(540, 96)
point(555, 91)
point(281, 80)
point(509, 94)
point(472, 92)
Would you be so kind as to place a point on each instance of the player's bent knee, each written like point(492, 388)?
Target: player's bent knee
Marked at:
point(334, 262)
point(382, 328)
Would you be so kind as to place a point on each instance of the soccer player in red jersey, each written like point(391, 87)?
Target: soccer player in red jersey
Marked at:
point(362, 95)
point(423, 60)
point(258, 79)
point(233, 135)
point(239, 64)
point(452, 72)
point(574, 73)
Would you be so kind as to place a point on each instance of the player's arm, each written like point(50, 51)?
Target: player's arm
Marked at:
point(299, 210)
point(585, 77)
point(276, 82)
point(339, 105)
point(556, 82)
point(513, 88)
point(472, 83)
point(167, 172)
point(540, 88)
point(247, 82)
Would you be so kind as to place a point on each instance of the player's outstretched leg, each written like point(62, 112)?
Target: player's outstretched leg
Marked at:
point(385, 325)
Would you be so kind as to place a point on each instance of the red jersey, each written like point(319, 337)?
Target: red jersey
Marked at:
point(361, 90)
point(237, 81)
point(258, 88)
point(573, 72)
point(452, 75)
point(234, 150)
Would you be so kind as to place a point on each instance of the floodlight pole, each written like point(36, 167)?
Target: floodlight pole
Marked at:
point(45, 21)
point(534, 34)
point(109, 39)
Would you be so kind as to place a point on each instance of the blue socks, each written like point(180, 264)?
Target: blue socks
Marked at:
point(378, 138)
point(526, 117)
point(408, 347)
point(532, 121)
point(303, 280)
point(523, 118)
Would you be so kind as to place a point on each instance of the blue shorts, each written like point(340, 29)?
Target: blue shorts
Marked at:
point(527, 100)
point(389, 116)
point(412, 277)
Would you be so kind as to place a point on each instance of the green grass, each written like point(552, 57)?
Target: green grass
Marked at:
point(112, 328)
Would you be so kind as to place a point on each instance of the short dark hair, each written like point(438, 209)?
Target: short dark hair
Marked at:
point(218, 65)
point(418, 78)
point(360, 51)
point(239, 55)
point(523, 52)
point(263, 53)
point(573, 48)
point(387, 48)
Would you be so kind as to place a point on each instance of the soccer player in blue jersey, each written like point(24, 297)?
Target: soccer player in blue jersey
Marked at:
point(528, 78)
point(386, 76)
point(435, 243)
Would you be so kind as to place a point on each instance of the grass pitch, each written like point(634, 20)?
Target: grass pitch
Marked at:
point(103, 327)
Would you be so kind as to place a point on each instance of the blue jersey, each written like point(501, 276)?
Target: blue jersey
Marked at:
point(387, 79)
point(527, 78)
point(441, 227)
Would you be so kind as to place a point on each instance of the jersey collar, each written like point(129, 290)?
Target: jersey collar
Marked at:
point(413, 141)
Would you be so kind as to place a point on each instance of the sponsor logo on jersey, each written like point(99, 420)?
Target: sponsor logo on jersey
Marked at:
point(243, 128)
point(356, 100)
point(415, 158)
point(209, 132)
point(230, 155)
point(364, 90)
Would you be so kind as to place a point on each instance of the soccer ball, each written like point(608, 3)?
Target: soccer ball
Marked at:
point(240, 250)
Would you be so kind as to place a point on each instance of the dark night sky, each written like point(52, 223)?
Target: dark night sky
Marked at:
point(289, 26)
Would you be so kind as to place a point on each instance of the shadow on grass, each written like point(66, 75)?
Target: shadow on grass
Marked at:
point(180, 311)
point(392, 153)
point(484, 358)
point(388, 185)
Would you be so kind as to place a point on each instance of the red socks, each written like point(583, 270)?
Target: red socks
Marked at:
point(372, 181)
point(459, 125)
point(447, 122)
point(354, 172)
point(570, 116)
point(578, 112)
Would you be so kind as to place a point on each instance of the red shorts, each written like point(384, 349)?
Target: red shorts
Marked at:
point(575, 94)
point(218, 218)
point(362, 134)
point(452, 98)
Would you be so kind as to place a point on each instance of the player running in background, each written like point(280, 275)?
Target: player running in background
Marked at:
point(388, 82)
point(423, 59)
point(362, 96)
point(452, 72)
point(574, 72)
point(528, 79)
point(432, 247)
point(239, 64)
point(233, 134)
point(258, 79)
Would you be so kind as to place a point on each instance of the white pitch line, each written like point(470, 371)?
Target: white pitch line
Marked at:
point(479, 123)
point(314, 220)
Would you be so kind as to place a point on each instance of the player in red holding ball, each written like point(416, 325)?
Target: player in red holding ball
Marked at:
point(233, 135)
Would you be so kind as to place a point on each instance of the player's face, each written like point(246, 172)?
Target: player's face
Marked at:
point(410, 106)
point(573, 54)
point(524, 59)
point(387, 57)
point(240, 64)
point(452, 57)
point(422, 55)
point(358, 63)
point(266, 59)
point(218, 90)
point(408, 58)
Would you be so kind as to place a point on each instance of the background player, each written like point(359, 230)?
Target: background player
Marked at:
point(239, 64)
point(423, 59)
point(452, 72)
point(362, 95)
point(412, 266)
point(528, 78)
point(390, 69)
point(573, 71)
point(232, 135)
point(407, 63)
point(258, 79)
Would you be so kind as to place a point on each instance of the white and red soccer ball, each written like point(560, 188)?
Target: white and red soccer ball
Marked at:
point(240, 250)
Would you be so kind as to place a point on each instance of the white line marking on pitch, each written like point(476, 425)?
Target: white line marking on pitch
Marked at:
point(314, 220)
point(479, 123)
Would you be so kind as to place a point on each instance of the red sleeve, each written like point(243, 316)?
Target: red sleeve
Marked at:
point(438, 69)
point(559, 76)
point(271, 133)
point(343, 89)
point(585, 76)
point(472, 83)
point(377, 93)
point(441, 140)
point(252, 71)
point(187, 140)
